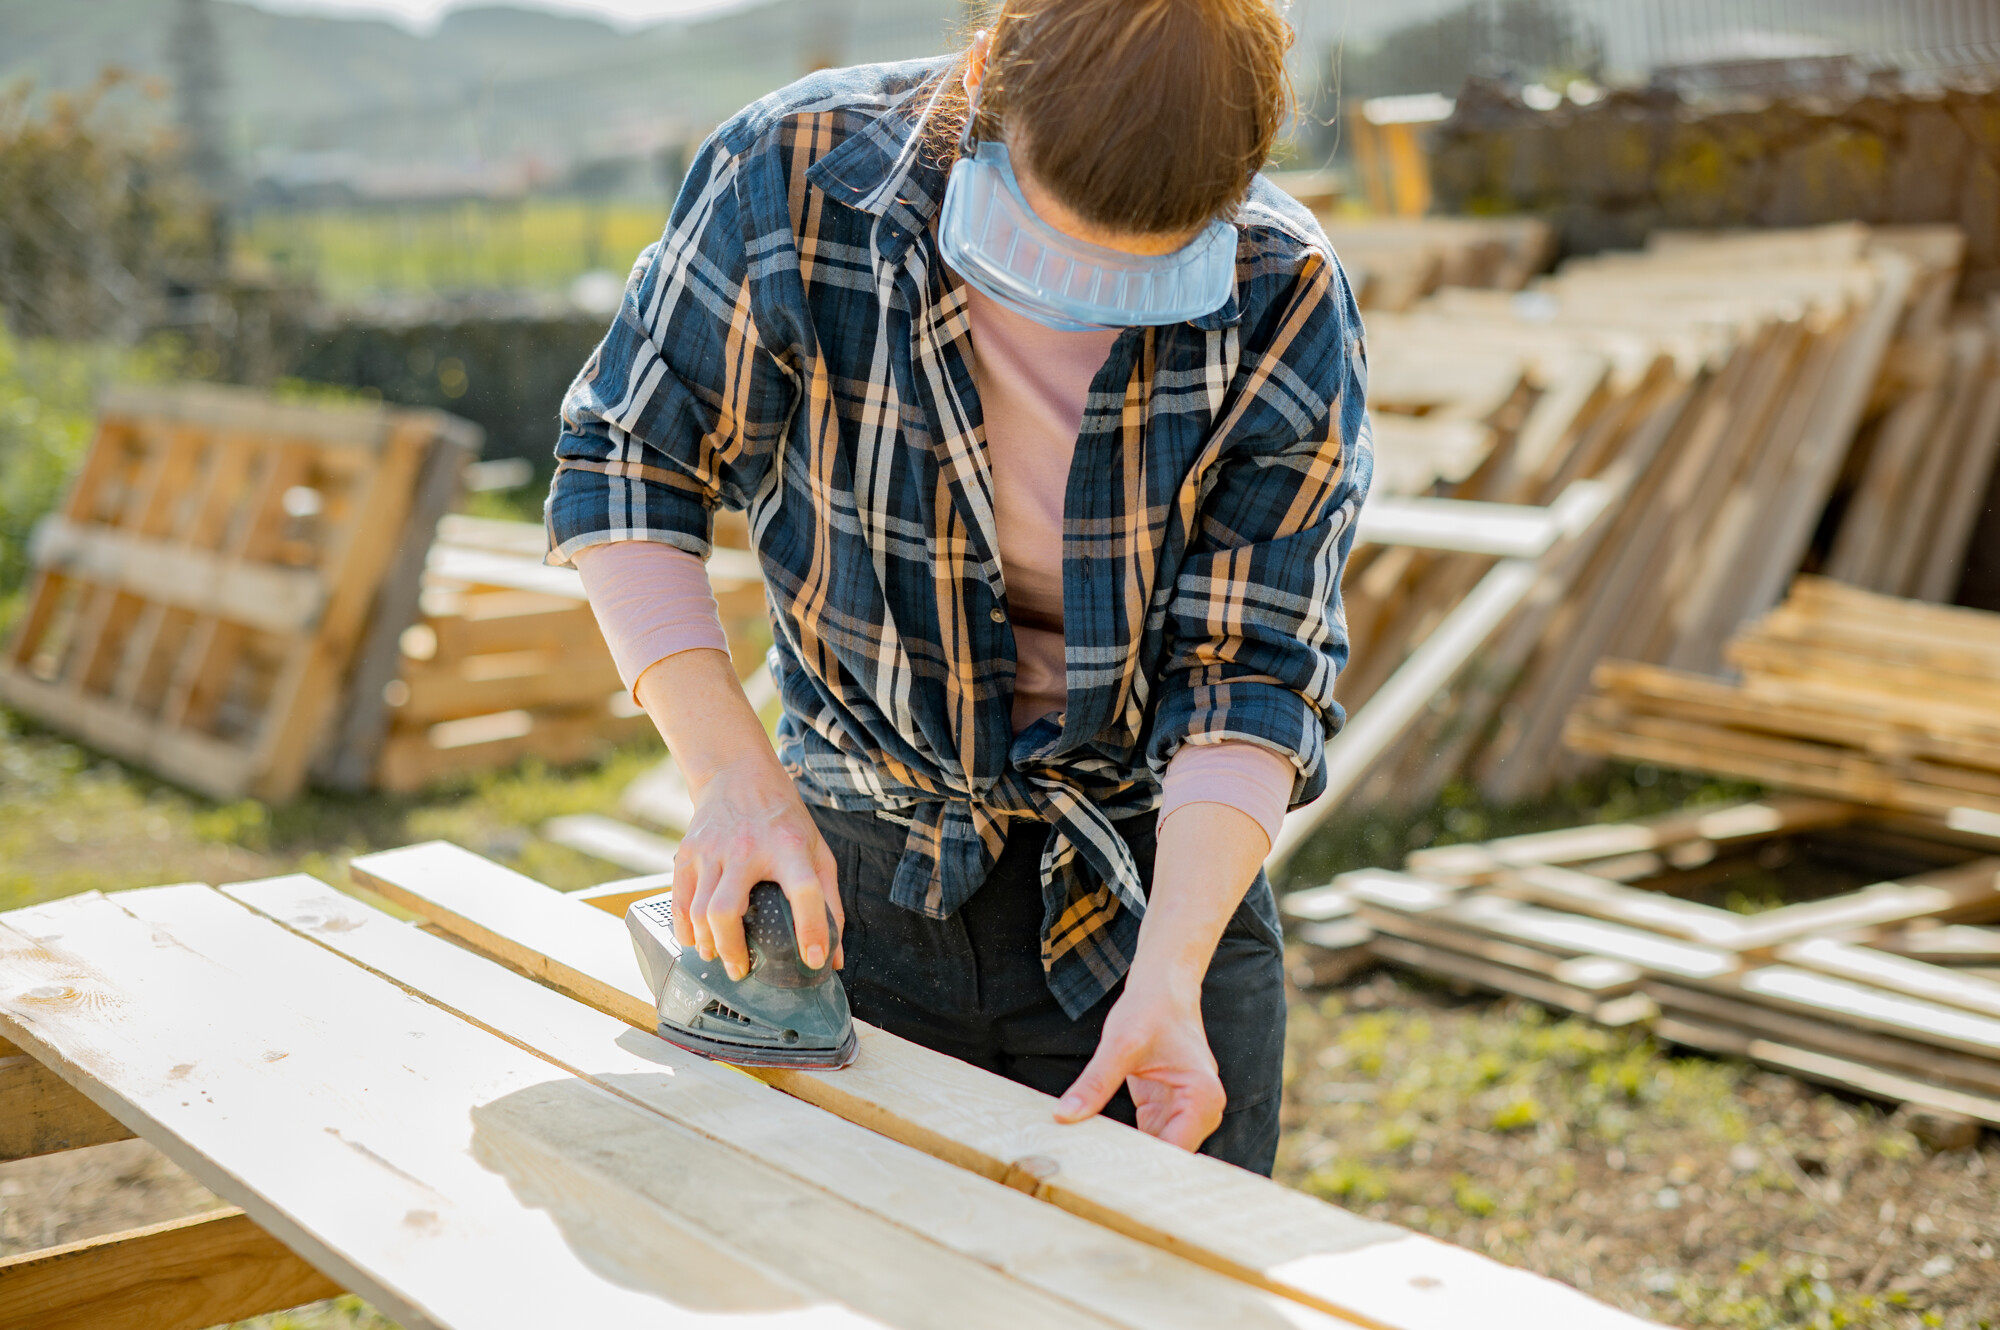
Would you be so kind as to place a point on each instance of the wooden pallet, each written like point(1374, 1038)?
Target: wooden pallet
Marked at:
point(465, 1146)
point(1881, 991)
point(201, 595)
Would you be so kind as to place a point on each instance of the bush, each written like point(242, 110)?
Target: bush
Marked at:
point(96, 216)
point(47, 392)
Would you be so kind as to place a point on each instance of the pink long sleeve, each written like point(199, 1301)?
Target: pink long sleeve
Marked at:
point(1242, 775)
point(651, 600)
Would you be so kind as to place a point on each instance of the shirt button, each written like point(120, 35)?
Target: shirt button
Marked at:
point(997, 615)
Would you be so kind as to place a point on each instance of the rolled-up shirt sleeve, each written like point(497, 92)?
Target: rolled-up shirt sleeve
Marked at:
point(1256, 634)
point(681, 407)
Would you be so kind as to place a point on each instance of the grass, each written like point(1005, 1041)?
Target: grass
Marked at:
point(534, 244)
point(1691, 1190)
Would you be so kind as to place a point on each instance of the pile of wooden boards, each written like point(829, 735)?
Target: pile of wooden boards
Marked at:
point(222, 567)
point(505, 658)
point(1393, 264)
point(1842, 692)
point(1712, 385)
point(1885, 988)
point(466, 1147)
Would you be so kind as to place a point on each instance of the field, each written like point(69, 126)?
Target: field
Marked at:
point(531, 244)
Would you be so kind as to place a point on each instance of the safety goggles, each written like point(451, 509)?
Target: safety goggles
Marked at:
point(995, 241)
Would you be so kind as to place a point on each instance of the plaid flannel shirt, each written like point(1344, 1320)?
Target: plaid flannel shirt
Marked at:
point(793, 346)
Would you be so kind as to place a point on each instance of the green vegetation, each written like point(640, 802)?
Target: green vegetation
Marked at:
point(47, 394)
point(532, 244)
point(1698, 1192)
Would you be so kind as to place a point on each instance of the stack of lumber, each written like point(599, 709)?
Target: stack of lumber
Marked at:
point(1842, 692)
point(1889, 991)
point(1393, 264)
point(1917, 477)
point(221, 571)
point(1712, 385)
point(492, 1143)
point(505, 658)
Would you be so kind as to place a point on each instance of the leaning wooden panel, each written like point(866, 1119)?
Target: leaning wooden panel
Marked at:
point(1126, 1282)
point(353, 1145)
point(1210, 1212)
point(41, 1114)
point(186, 1274)
point(201, 594)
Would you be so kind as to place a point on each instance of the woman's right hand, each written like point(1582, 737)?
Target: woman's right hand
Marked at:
point(750, 826)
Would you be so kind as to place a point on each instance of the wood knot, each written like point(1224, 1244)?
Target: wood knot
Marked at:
point(1029, 1172)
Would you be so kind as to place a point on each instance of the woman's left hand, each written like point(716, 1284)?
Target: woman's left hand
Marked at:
point(1153, 1042)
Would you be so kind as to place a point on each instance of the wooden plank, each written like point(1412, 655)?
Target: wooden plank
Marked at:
point(267, 597)
point(1949, 944)
point(1199, 1208)
point(1576, 935)
point(1585, 893)
point(1871, 1008)
point(1597, 975)
point(1967, 890)
point(40, 1114)
point(1505, 979)
point(614, 898)
point(186, 1274)
point(1925, 1061)
point(347, 760)
point(1779, 815)
point(1124, 1281)
point(1895, 973)
point(360, 1153)
point(199, 761)
point(1826, 1069)
point(612, 841)
point(667, 1176)
point(306, 693)
point(1387, 716)
point(1510, 531)
point(531, 680)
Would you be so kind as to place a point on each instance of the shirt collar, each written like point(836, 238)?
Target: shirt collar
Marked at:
point(893, 170)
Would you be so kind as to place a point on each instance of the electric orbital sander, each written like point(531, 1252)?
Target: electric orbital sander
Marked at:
point(783, 1013)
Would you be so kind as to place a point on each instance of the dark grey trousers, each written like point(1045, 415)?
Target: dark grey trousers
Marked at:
point(971, 986)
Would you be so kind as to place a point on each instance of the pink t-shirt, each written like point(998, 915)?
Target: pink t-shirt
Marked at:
point(653, 599)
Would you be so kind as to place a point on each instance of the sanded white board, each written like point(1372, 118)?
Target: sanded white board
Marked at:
point(661, 1177)
point(1123, 1280)
point(355, 1145)
point(1213, 1213)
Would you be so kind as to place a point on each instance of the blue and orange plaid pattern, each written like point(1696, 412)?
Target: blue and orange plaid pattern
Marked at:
point(793, 347)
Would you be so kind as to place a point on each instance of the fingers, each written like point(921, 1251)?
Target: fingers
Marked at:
point(1183, 1111)
point(827, 869)
point(796, 875)
point(720, 918)
point(687, 876)
point(1101, 1077)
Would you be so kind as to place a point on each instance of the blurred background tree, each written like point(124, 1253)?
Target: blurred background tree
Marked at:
point(96, 213)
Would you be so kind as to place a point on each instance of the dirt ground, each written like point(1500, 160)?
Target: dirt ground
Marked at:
point(1692, 1191)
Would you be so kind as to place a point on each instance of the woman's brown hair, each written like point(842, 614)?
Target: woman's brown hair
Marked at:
point(1142, 116)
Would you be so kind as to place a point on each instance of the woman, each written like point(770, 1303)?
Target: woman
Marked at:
point(1048, 421)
